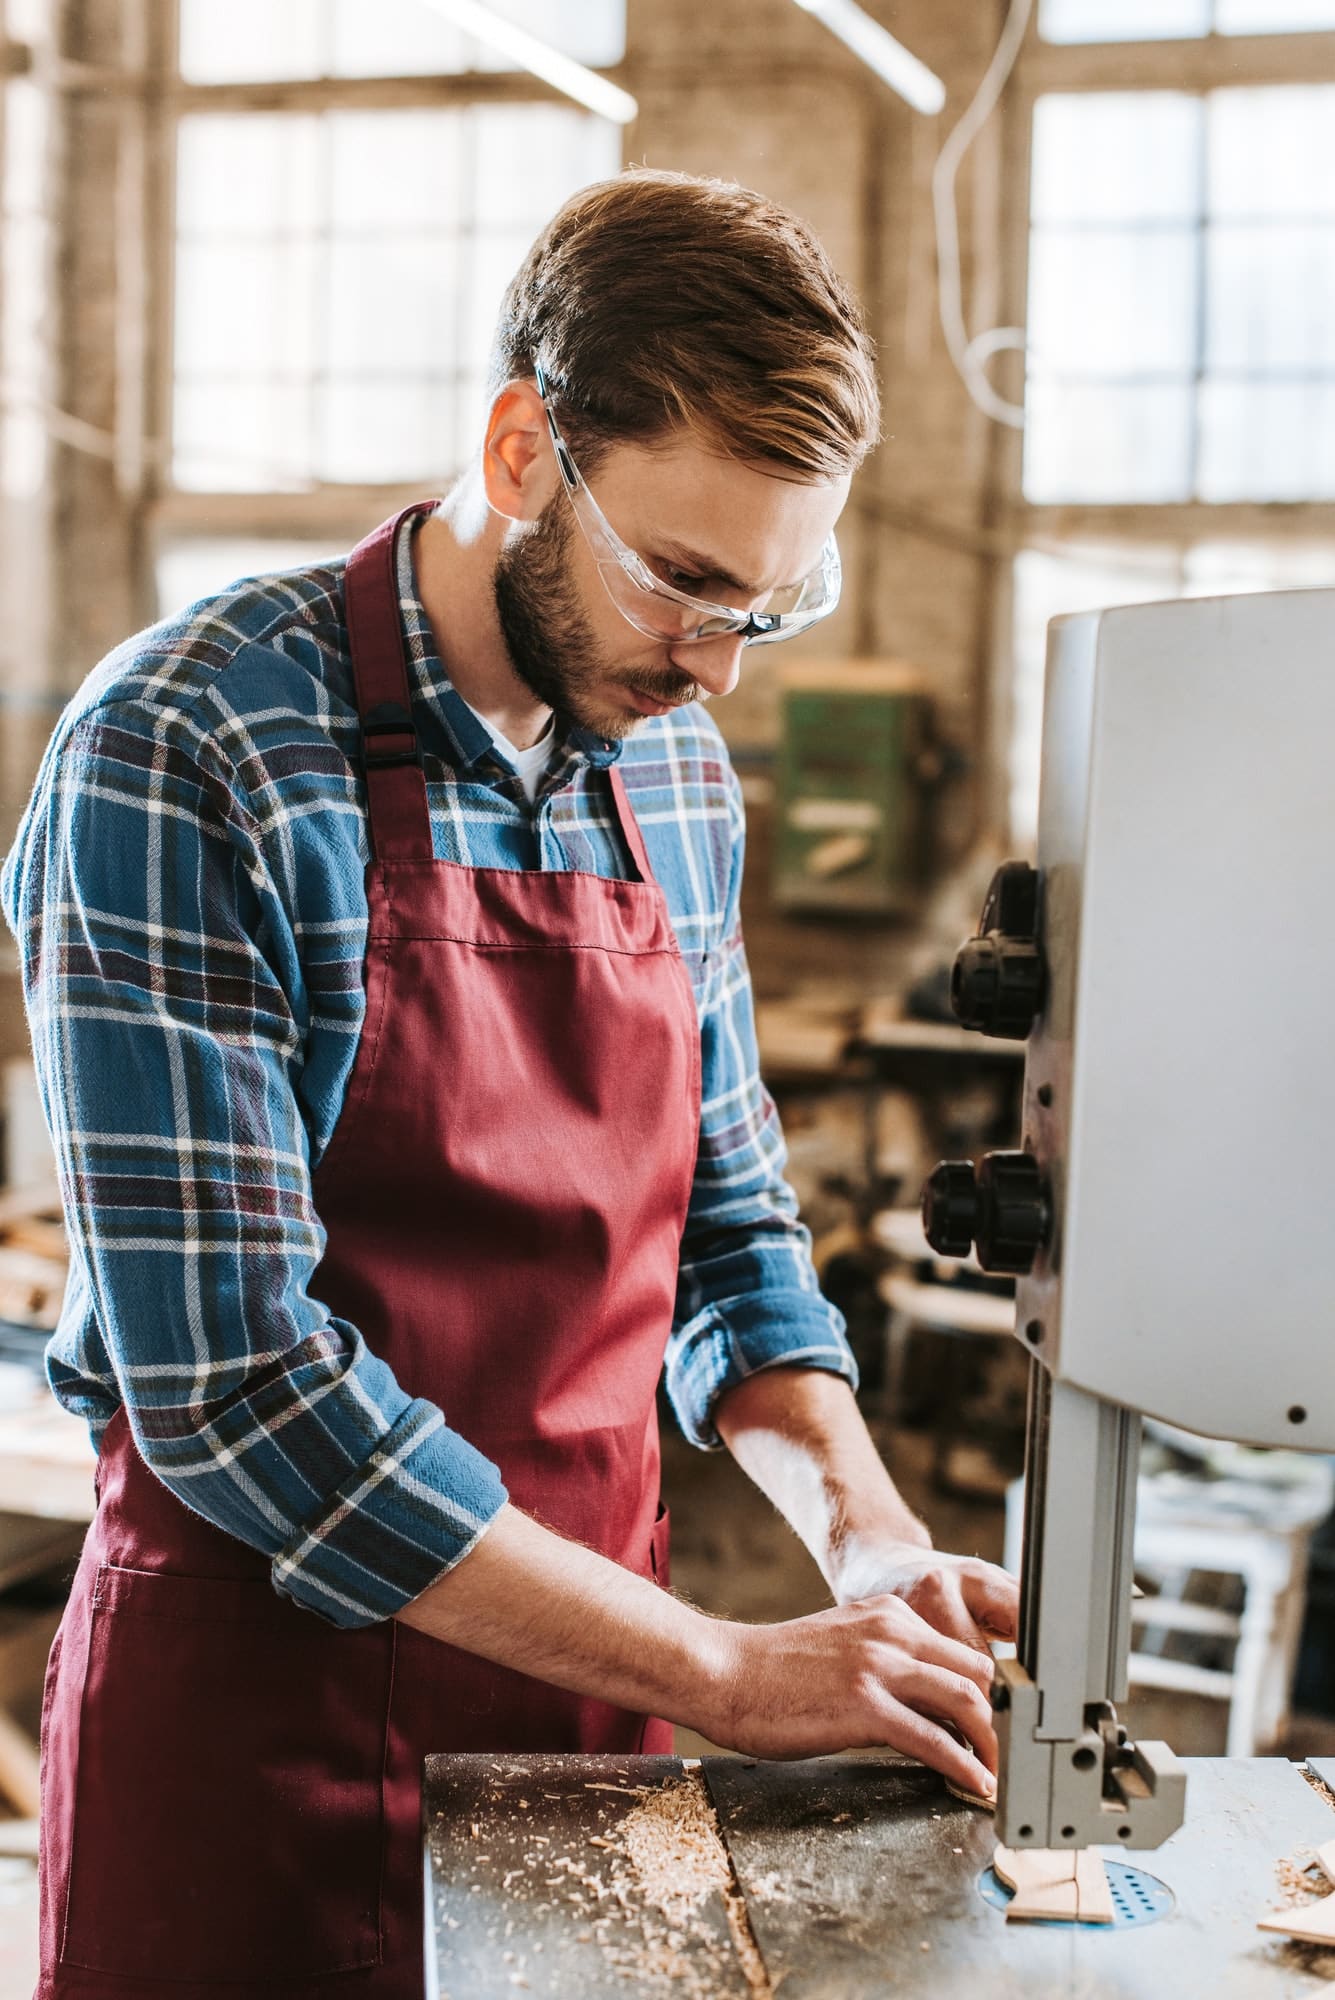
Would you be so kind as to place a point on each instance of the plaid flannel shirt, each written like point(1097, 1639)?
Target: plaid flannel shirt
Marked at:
point(187, 890)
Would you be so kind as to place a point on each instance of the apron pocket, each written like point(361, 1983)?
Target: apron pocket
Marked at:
point(228, 1798)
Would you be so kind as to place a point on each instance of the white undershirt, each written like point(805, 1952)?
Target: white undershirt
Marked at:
point(530, 765)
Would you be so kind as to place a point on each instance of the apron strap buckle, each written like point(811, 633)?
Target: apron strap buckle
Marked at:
point(389, 738)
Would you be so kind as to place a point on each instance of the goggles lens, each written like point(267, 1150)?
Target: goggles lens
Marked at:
point(656, 608)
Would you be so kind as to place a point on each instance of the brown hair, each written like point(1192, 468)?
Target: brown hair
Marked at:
point(657, 300)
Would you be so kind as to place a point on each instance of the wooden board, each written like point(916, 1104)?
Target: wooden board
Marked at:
point(1305, 1923)
point(1043, 1883)
point(1054, 1885)
point(526, 1888)
point(1093, 1897)
point(861, 1880)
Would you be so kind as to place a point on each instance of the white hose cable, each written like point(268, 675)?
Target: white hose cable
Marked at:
point(968, 355)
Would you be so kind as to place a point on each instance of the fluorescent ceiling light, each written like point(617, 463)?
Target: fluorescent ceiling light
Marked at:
point(916, 84)
point(540, 59)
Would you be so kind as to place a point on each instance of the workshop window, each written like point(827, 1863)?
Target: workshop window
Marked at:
point(337, 281)
point(199, 566)
point(1173, 20)
point(342, 242)
point(1181, 315)
point(301, 40)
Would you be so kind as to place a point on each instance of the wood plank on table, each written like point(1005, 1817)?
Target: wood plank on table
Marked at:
point(861, 1880)
point(528, 1888)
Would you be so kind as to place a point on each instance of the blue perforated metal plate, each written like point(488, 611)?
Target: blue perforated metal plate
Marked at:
point(1137, 1898)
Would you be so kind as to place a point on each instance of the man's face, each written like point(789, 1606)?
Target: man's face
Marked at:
point(711, 526)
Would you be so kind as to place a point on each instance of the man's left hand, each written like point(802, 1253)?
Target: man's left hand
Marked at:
point(961, 1596)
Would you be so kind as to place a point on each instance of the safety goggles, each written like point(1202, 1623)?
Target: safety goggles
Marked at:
point(654, 607)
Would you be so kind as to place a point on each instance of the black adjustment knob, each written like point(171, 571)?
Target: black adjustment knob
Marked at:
point(997, 985)
point(1011, 904)
point(1004, 1210)
point(999, 980)
point(1016, 1210)
point(950, 1208)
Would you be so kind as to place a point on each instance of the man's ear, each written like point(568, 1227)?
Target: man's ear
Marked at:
point(519, 471)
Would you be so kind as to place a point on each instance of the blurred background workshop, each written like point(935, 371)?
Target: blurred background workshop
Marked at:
point(1095, 240)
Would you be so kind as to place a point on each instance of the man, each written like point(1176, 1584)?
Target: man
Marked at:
point(380, 933)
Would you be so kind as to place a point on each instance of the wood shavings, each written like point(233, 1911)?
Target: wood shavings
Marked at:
point(1300, 1878)
point(652, 1889)
point(674, 1846)
point(1306, 1916)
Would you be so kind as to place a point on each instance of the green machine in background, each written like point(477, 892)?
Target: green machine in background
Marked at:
point(856, 759)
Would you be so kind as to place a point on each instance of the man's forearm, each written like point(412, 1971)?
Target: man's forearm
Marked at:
point(799, 1435)
point(854, 1677)
point(526, 1598)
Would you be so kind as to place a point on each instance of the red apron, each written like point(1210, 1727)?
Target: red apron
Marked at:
point(231, 1785)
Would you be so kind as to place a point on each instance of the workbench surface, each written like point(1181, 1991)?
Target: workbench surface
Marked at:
point(837, 1879)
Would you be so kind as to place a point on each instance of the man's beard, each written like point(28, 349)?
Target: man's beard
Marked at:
point(551, 642)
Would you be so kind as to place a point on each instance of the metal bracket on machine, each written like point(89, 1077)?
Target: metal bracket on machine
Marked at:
point(1068, 1776)
point(1096, 1790)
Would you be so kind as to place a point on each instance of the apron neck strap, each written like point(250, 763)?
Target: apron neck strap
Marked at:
point(396, 802)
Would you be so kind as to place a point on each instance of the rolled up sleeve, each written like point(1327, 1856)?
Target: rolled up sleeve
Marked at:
point(166, 1024)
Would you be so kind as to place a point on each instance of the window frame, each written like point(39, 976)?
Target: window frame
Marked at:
point(1194, 67)
point(336, 513)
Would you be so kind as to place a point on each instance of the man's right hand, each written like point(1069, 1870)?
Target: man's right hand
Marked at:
point(867, 1674)
point(859, 1676)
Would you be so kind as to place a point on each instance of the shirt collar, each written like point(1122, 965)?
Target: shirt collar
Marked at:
point(470, 741)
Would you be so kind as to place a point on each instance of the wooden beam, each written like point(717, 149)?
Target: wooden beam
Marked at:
point(1209, 62)
point(368, 93)
point(1175, 524)
point(315, 512)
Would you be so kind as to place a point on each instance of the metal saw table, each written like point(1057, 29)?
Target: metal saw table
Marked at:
point(850, 1879)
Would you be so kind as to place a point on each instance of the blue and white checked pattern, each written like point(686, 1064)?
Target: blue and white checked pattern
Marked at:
point(187, 888)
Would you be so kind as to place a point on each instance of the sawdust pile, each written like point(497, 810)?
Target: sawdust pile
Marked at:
point(1301, 1879)
point(1318, 1785)
point(672, 1842)
point(653, 1890)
